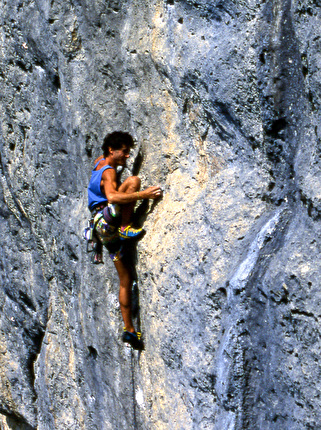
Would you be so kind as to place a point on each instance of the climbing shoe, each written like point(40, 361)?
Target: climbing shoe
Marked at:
point(129, 232)
point(133, 339)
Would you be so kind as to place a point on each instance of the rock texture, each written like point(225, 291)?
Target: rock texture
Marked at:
point(223, 98)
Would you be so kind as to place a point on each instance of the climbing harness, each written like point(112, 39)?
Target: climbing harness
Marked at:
point(101, 232)
point(93, 243)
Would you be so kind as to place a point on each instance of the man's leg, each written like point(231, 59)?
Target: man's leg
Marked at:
point(130, 185)
point(125, 285)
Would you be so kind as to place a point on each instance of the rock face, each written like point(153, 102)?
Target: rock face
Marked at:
point(223, 98)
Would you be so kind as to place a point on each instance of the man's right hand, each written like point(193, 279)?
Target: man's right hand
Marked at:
point(151, 193)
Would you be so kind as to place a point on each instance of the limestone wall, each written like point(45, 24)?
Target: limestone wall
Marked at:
point(223, 100)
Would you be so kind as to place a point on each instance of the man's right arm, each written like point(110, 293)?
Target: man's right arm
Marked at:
point(109, 179)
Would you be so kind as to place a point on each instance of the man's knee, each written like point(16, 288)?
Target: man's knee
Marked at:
point(130, 185)
point(134, 182)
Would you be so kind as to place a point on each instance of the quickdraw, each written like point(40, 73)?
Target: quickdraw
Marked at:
point(93, 243)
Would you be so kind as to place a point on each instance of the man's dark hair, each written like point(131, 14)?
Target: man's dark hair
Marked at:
point(116, 140)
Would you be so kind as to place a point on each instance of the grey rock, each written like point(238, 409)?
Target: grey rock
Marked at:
point(223, 101)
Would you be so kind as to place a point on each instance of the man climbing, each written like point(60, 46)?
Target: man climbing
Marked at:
point(112, 205)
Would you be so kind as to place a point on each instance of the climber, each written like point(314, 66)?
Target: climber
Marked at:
point(112, 205)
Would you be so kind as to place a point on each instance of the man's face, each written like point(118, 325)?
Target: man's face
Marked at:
point(120, 155)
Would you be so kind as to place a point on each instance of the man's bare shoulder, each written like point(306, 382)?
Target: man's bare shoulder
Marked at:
point(98, 159)
point(109, 174)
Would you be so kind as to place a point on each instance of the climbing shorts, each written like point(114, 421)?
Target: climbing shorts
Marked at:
point(108, 235)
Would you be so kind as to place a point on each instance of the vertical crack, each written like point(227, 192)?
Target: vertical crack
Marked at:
point(132, 363)
point(281, 86)
point(234, 360)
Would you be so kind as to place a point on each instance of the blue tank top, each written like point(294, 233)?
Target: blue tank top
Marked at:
point(95, 195)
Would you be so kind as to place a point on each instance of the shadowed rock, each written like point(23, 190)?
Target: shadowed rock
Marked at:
point(223, 101)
